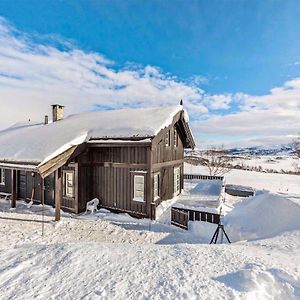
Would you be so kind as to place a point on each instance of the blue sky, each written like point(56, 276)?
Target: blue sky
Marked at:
point(233, 62)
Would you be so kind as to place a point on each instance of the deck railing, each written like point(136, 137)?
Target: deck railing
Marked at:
point(202, 177)
point(181, 216)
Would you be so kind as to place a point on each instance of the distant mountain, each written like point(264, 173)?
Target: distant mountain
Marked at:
point(262, 150)
point(280, 150)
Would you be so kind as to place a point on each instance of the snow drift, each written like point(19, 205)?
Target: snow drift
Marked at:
point(263, 216)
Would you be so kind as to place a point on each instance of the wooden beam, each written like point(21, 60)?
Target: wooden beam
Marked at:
point(14, 189)
point(123, 144)
point(115, 165)
point(58, 193)
point(167, 164)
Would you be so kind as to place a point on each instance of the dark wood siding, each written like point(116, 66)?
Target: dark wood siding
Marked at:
point(7, 187)
point(165, 159)
point(162, 153)
point(107, 173)
point(34, 182)
point(29, 184)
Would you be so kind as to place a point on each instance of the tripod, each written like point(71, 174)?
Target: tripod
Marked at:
point(216, 234)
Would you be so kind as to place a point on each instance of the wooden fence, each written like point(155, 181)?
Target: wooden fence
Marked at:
point(181, 216)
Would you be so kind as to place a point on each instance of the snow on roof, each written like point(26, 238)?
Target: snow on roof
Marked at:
point(36, 143)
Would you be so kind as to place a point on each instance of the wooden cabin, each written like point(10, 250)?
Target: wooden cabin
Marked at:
point(130, 159)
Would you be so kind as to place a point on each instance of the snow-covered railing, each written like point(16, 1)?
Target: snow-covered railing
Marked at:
point(202, 177)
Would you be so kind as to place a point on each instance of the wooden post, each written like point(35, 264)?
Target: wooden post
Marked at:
point(151, 207)
point(14, 188)
point(43, 203)
point(58, 193)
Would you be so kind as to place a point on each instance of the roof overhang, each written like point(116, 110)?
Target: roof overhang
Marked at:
point(49, 166)
point(58, 161)
point(185, 130)
point(20, 166)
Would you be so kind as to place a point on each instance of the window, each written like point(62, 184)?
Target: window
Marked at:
point(176, 181)
point(2, 176)
point(139, 188)
point(175, 138)
point(69, 184)
point(156, 186)
point(167, 138)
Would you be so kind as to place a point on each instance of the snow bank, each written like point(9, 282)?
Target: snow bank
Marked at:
point(263, 216)
point(258, 282)
point(203, 231)
point(207, 187)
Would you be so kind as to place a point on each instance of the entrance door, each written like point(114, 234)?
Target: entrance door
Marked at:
point(22, 185)
point(49, 189)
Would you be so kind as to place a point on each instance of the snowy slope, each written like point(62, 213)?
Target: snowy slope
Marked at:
point(109, 256)
point(276, 183)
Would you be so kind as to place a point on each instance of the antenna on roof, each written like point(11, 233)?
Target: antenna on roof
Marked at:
point(181, 102)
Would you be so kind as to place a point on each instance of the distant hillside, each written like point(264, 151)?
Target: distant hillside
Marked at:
point(261, 150)
point(276, 150)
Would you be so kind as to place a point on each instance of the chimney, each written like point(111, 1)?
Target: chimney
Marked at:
point(46, 120)
point(57, 112)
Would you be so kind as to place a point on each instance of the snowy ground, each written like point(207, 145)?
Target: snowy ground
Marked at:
point(268, 162)
point(108, 256)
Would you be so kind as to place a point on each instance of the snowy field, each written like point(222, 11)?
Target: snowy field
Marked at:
point(109, 256)
point(267, 162)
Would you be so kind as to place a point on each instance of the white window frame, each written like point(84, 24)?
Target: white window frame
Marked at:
point(168, 138)
point(156, 186)
point(175, 138)
point(69, 190)
point(139, 188)
point(177, 180)
point(2, 176)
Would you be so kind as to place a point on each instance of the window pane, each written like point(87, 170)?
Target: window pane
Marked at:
point(167, 138)
point(176, 180)
point(156, 186)
point(175, 138)
point(69, 191)
point(139, 187)
point(2, 176)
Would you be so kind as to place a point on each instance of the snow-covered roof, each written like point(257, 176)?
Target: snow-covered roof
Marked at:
point(38, 143)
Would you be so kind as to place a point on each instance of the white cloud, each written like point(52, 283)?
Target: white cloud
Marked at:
point(260, 119)
point(284, 97)
point(221, 101)
point(33, 76)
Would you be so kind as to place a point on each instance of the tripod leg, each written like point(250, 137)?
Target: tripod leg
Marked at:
point(226, 236)
point(214, 235)
point(218, 230)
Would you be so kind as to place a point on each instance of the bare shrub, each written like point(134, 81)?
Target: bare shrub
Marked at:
point(216, 160)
